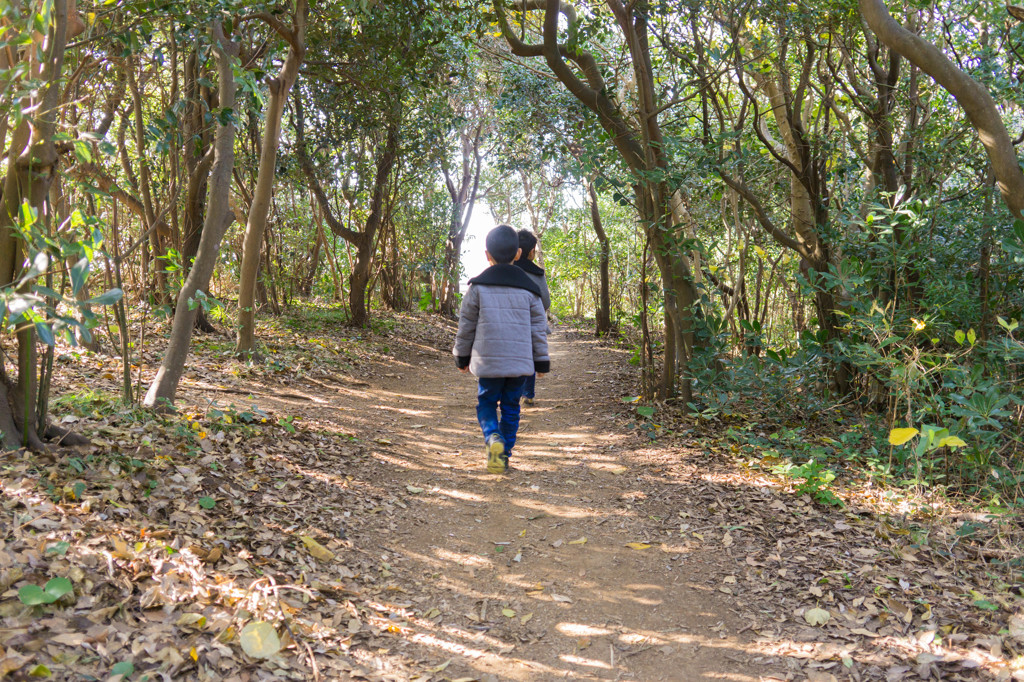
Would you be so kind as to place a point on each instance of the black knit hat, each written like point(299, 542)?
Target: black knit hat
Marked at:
point(527, 241)
point(502, 243)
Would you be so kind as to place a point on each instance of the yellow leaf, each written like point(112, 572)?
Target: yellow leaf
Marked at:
point(522, 533)
point(508, 613)
point(194, 654)
point(952, 442)
point(581, 541)
point(260, 640)
point(901, 436)
point(526, 619)
point(318, 551)
point(637, 545)
point(760, 252)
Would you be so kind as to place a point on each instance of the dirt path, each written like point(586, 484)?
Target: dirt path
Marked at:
point(531, 576)
point(371, 539)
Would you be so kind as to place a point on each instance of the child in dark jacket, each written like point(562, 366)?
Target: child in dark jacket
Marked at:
point(502, 340)
point(528, 246)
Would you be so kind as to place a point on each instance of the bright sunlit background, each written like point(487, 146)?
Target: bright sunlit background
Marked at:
point(473, 259)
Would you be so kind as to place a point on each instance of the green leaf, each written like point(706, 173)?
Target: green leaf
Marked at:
point(207, 502)
point(59, 548)
point(79, 273)
point(125, 668)
point(960, 337)
point(645, 411)
point(58, 587)
point(45, 333)
point(107, 297)
point(1008, 326)
point(971, 336)
point(39, 671)
point(82, 152)
point(986, 605)
point(1018, 230)
point(33, 595)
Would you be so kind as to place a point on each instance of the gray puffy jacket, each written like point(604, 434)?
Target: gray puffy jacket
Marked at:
point(502, 326)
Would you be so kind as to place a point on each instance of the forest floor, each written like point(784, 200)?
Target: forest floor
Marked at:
point(326, 514)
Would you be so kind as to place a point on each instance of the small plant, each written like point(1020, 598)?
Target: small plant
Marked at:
point(816, 479)
point(925, 455)
point(287, 423)
point(33, 595)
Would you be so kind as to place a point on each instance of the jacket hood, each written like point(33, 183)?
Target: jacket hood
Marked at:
point(529, 267)
point(507, 275)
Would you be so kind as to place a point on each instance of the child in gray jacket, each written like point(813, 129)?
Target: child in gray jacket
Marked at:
point(502, 339)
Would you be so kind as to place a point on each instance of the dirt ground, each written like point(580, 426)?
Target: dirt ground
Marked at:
point(533, 571)
point(355, 518)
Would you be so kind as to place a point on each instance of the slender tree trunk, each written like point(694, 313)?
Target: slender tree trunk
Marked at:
point(162, 392)
point(604, 317)
point(146, 188)
point(360, 276)
point(279, 87)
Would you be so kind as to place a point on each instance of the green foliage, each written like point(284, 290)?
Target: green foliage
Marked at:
point(814, 480)
point(29, 304)
point(33, 595)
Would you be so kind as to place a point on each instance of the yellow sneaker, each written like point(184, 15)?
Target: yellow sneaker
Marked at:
point(497, 463)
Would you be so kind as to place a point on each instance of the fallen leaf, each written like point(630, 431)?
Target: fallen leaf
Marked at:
point(441, 667)
point(817, 616)
point(260, 640)
point(637, 545)
point(196, 620)
point(561, 598)
point(413, 489)
point(318, 551)
point(618, 471)
point(526, 619)
point(508, 613)
point(581, 541)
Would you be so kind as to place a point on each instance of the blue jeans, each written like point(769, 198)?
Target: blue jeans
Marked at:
point(499, 393)
point(531, 386)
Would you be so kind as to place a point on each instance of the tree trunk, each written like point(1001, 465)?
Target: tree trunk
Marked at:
point(198, 160)
point(360, 276)
point(31, 165)
point(974, 99)
point(146, 189)
point(463, 198)
point(604, 316)
point(162, 392)
point(279, 87)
